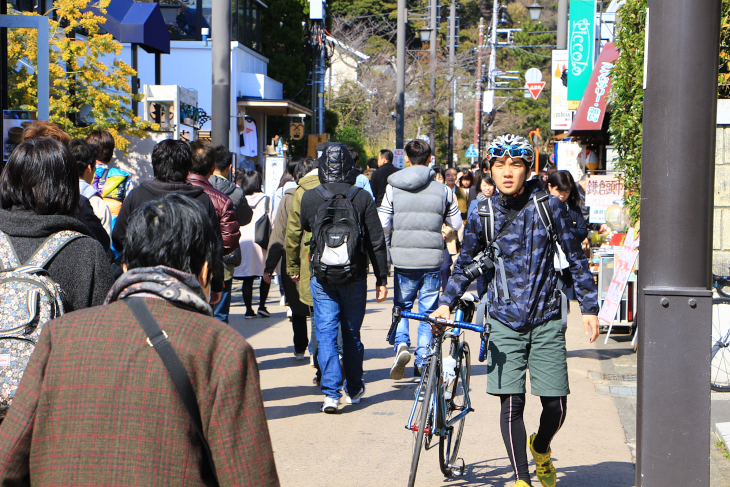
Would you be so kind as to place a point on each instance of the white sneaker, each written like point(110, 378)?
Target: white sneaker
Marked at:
point(402, 357)
point(299, 356)
point(282, 301)
point(330, 405)
point(356, 398)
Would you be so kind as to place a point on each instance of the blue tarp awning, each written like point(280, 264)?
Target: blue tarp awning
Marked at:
point(137, 23)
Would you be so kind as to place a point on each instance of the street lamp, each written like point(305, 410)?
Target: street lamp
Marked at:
point(425, 34)
point(535, 11)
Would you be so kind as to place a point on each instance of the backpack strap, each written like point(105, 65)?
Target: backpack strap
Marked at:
point(324, 192)
point(485, 210)
point(52, 246)
point(351, 192)
point(8, 256)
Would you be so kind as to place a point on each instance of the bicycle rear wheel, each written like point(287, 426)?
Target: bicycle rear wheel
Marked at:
point(423, 426)
point(720, 355)
point(449, 442)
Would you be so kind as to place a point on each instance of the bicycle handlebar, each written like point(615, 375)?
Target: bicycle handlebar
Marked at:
point(718, 282)
point(441, 321)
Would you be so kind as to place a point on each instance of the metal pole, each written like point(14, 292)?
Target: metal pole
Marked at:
point(158, 68)
point(492, 66)
point(673, 401)
point(135, 78)
point(452, 61)
point(221, 106)
point(400, 75)
point(4, 98)
point(432, 69)
point(320, 84)
point(562, 37)
point(478, 112)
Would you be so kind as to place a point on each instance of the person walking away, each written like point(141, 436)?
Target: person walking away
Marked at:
point(378, 182)
point(361, 181)
point(221, 180)
point(85, 156)
point(203, 165)
point(171, 164)
point(113, 184)
point(414, 208)
point(276, 252)
point(345, 231)
point(253, 256)
point(525, 309)
point(91, 377)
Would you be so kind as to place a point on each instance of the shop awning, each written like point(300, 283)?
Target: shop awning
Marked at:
point(283, 108)
point(592, 109)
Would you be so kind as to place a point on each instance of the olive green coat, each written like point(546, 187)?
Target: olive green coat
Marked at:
point(297, 252)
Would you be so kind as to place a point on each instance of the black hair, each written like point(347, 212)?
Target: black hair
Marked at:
point(84, 153)
point(291, 166)
point(563, 180)
point(285, 178)
point(103, 142)
point(418, 152)
point(354, 154)
point(150, 242)
point(372, 163)
point(468, 176)
point(172, 161)
point(386, 154)
point(303, 167)
point(488, 180)
point(250, 182)
point(202, 158)
point(41, 175)
point(440, 171)
point(223, 157)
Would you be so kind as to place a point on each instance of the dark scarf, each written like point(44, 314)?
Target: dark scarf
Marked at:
point(176, 287)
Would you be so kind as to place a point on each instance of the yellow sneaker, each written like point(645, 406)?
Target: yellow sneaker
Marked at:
point(521, 483)
point(544, 465)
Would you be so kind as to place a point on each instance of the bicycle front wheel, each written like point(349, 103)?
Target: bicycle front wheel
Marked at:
point(423, 427)
point(720, 355)
point(450, 441)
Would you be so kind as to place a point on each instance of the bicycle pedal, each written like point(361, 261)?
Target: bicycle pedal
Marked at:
point(458, 470)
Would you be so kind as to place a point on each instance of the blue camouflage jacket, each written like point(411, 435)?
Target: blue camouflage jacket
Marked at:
point(528, 263)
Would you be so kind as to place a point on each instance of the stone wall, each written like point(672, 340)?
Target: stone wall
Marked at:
point(721, 228)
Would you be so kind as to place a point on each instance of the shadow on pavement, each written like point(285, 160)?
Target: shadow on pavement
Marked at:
point(600, 353)
point(278, 412)
point(279, 393)
point(263, 352)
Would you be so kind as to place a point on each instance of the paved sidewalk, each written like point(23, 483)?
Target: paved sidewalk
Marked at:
point(367, 444)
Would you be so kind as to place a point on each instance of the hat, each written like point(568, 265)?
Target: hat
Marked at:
point(270, 151)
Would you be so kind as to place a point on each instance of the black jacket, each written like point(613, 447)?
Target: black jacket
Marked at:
point(379, 181)
point(81, 268)
point(154, 190)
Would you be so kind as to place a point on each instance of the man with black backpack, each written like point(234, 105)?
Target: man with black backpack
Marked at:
point(524, 237)
point(345, 231)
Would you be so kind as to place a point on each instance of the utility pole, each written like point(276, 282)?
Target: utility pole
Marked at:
point(432, 46)
point(562, 38)
point(675, 303)
point(221, 30)
point(4, 99)
point(400, 75)
point(319, 43)
point(491, 75)
point(452, 62)
point(478, 112)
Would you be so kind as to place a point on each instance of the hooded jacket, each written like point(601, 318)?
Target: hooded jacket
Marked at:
point(337, 175)
point(244, 213)
point(230, 229)
point(528, 263)
point(81, 268)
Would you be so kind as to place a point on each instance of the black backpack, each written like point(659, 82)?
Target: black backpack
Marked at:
point(337, 240)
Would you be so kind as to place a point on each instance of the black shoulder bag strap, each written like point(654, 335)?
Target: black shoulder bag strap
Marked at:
point(487, 214)
point(157, 339)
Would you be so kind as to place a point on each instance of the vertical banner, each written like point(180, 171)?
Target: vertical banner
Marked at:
point(581, 51)
point(571, 158)
point(624, 266)
point(560, 116)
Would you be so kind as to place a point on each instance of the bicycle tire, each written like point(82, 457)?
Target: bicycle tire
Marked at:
point(449, 443)
point(720, 352)
point(422, 415)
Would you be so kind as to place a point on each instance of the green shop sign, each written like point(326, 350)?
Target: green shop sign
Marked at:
point(581, 51)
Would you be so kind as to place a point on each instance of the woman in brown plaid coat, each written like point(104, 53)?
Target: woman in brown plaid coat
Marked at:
point(96, 406)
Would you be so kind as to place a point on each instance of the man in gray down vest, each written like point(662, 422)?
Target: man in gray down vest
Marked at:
point(414, 209)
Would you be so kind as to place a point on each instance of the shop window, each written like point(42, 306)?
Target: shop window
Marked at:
point(246, 23)
point(184, 19)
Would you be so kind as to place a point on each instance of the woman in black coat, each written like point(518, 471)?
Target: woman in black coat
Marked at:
point(39, 193)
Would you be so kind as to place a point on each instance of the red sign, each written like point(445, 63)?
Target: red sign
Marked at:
point(592, 107)
point(536, 88)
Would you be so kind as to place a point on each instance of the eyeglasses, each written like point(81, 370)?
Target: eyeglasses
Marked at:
point(513, 151)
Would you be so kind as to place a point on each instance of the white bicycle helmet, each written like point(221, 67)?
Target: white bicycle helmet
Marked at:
point(515, 145)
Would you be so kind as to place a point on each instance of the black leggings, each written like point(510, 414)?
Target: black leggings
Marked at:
point(513, 428)
point(247, 291)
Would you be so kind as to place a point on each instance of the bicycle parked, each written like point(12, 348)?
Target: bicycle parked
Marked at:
point(441, 400)
point(720, 355)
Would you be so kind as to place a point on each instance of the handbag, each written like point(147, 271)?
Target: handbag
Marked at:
point(157, 339)
point(263, 227)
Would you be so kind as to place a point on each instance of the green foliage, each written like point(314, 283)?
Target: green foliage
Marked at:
point(627, 96)
point(283, 41)
point(352, 137)
point(82, 80)
point(361, 8)
point(723, 81)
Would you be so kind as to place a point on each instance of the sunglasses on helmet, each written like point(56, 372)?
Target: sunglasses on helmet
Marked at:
point(513, 151)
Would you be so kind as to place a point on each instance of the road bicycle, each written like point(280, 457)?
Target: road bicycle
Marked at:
point(441, 400)
point(720, 355)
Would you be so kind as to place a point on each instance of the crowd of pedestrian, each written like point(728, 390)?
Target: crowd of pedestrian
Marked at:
point(167, 250)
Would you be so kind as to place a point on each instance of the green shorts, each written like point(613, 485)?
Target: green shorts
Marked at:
point(540, 349)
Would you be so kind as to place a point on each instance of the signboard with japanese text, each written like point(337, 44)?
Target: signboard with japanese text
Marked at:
point(560, 116)
point(621, 273)
point(571, 158)
point(592, 109)
point(581, 37)
point(602, 191)
point(399, 158)
point(597, 215)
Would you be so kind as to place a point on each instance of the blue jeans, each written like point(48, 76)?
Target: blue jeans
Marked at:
point(408, 286)
point(338, 307)
point(224, 305)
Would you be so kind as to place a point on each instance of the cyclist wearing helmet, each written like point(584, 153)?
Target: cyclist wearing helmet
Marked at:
point(525, 314)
